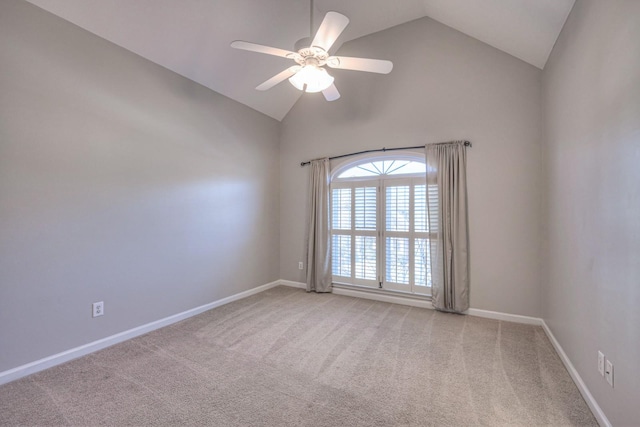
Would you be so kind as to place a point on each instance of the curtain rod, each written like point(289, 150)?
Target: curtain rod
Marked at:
point(383, 149)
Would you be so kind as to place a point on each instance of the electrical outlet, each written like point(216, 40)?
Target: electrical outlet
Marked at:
point(601, 363)
point(608, 372)
point(300, 265)
point(98, 308)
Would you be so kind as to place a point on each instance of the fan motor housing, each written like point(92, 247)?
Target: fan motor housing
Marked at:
point(309, 54)
point(302, 43)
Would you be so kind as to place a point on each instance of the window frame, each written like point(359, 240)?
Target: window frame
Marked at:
point(381, 182)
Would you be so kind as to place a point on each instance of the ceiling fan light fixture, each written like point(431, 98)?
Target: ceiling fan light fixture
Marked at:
point(309, 75)
point(311, 78)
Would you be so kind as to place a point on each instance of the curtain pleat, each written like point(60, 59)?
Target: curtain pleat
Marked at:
point(447, 213)
point(319, 248)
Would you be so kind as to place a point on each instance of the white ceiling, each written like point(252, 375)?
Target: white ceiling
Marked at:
point(191, 37)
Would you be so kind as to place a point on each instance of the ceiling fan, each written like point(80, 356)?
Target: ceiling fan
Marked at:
point(309, 75)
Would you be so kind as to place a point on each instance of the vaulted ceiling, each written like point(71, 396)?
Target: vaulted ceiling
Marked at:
point(191, 37)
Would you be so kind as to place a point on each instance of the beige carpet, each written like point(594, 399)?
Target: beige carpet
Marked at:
point(285, 357)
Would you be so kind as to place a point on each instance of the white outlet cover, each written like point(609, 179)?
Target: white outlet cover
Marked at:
point(608, 373)
point(98, 308)
point(601, 363)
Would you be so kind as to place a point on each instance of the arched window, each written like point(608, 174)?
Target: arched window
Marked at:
point(383, 167)
point(379, 228)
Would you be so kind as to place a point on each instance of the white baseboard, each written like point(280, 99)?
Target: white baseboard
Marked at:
point(65, 356)
point(586, 394)
point(74, 353)
point(504, 316)
point(293, 284)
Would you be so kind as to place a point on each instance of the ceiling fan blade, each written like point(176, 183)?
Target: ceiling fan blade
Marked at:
point(330, 29)
point(360, 64)
point(254, 47)
point(331, 93)
point(279, 78)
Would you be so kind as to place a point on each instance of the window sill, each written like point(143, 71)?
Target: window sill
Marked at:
point(370, 290)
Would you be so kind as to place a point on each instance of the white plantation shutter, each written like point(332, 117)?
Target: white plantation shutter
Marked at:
point(421, 262)
point(366, 208)
point(397, 260)
point(380, 226)
point(420, 208)
point(366, 212)
point(341, 208)
point(341, 222)
point(366, 258)
point(397, 219)
point(397, 203)
point(341, 255)
point(422, 274)
point(406, 238)
point(427, 225)
point(355, 247)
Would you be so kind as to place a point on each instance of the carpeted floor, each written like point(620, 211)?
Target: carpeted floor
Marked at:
point(285, 357)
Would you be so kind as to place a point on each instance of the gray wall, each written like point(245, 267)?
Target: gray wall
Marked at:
point(120, 182)
point(444, 86)
point(123, 182)
point(591, 292)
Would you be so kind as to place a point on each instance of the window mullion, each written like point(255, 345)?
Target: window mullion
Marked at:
point(352, 231)
point(411, 235)
point(380, 232)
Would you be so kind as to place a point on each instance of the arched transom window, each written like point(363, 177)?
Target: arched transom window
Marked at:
point(379, 228)
point(384, 167)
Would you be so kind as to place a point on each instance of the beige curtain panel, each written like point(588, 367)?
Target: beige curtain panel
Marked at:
point(447, 213)
point(319, 248)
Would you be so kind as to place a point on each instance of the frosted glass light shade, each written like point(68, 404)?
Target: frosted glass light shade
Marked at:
point(317, 79)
